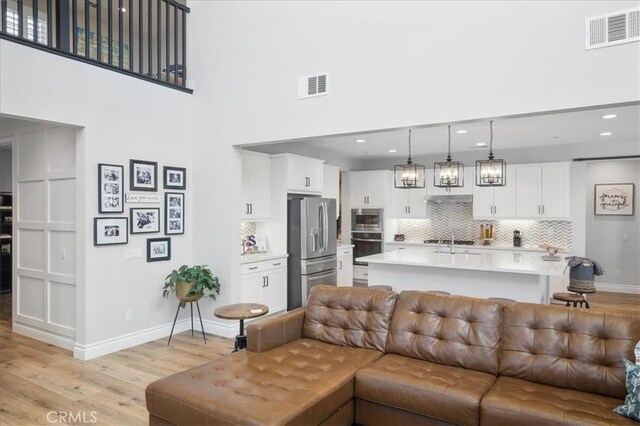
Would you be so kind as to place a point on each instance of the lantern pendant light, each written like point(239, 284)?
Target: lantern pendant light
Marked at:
point(448, 174)
point(491, 172)
point(409, 175)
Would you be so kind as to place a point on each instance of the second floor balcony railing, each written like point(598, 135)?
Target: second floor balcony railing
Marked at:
point(142, 38)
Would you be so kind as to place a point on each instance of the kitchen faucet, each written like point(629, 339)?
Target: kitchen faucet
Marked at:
point(453, 241)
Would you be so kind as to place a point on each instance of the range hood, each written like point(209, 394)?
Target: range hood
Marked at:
point(448, 198)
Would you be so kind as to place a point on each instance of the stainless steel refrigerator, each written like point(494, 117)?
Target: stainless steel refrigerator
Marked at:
point(311, 236)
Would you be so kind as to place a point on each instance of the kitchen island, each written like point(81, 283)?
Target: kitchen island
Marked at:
point(524, 277)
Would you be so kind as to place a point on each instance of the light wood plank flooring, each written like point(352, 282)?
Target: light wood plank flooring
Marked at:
point(36, 378)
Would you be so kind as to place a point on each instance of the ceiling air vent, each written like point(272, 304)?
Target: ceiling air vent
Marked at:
point(310, 86)
point(613, 28)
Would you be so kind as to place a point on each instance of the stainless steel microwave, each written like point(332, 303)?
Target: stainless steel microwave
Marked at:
point(366, 220)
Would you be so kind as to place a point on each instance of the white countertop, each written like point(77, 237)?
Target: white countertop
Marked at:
point(490, 260)
point(473, 247)
point(259, 257)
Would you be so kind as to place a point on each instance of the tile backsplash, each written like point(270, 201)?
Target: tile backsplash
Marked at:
point(459, 217)
point(247, 228)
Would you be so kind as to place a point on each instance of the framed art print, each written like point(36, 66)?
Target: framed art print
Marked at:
point(158, 249)
point(143, 175)
point(174, 177)
point(614, 199)
point(173, 213)
point(110, 230)
point(110, 188)
point(144, 220)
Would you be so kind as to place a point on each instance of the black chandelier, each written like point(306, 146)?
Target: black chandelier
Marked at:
point(448, 174)
point(491, 172)
point(409, 175)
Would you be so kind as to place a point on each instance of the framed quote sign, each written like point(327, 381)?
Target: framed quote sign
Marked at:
point(614, 199)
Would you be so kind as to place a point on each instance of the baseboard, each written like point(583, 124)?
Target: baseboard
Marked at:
point(618, 288)
point(43, 336)
point(105, 347)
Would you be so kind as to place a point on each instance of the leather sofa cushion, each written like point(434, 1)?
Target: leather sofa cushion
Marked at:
point(349, 316)
point(443, 392)
point(518, 402)
point(450, 330)
point(302, 382)
point(570, 348)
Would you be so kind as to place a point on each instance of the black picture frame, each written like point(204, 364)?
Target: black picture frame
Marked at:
point(167, 171)
point(608, 199)
point(104, 225)
point(174, 213)
point(152, 257)
point(137, 172)
point(137, 225)
point(110, 188)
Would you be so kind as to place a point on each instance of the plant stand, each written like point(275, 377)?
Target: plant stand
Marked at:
point(199, 316)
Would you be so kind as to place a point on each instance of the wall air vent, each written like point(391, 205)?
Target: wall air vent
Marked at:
point(613, 28)
point(310, 86)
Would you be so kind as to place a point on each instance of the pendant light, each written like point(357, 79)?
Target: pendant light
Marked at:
point(448, 174)
point(491, 172)
point(409, 175)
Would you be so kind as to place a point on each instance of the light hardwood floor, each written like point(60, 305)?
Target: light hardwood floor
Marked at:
point(36, 378)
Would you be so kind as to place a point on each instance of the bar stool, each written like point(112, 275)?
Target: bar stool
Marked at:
point(503, 300)
point(570, 298)
point(446, 293)
point(380, 287)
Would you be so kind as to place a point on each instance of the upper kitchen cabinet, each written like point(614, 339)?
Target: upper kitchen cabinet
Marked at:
point(542, 191)
point(370, 189)
point(331, 185)
point(467, 189)
point(409, 203)
point(495, 202)
point(304, 174)
point(256, 186)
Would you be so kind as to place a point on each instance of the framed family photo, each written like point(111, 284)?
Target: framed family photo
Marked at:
point(110, 190)
point(614, 199)
point(110, 230)
point(158, 249)
point(173, 213)
point(175, 177)
point(144, 175)
point(144, 220)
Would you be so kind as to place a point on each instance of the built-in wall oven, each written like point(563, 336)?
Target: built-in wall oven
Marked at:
point(366, 233)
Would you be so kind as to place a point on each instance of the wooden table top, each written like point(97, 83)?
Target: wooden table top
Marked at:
point(240, 311)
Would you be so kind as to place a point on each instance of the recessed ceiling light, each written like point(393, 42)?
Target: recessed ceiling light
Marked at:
point(606, 134)
point(481, 144)
point(392, 150)
point(606, 117)
point(461, 131)
point(360, 140)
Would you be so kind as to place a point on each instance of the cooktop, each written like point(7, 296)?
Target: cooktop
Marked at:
point(460, 242)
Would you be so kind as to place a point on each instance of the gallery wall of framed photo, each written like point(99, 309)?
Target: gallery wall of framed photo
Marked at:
point(147, 211)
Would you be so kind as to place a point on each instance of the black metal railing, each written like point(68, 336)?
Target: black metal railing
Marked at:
point(143, 38)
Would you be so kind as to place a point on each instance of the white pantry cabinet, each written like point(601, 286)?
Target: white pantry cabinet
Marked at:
point(304, 175)
point(255, 186)
point(345, 267)
point(265, 282)
point(467, 189)
point(331, 185)
point(408, 203)
point(542, 191)
point(496, 202)
point(370, 189)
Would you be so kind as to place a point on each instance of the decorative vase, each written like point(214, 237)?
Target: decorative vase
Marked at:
point(182, 288)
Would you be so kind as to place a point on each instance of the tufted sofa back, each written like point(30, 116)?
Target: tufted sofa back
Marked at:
point(450, 330)
point(349, 316)
point(568, 348)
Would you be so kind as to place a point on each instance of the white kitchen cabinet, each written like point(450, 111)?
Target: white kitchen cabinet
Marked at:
point(408, 203)
point(331, 185)
point(304, 175)
point(360, 275)
point(255, 186)
point(542, 191)
point(265, 282)
point(345, 267)
point(495, 202)
point(467, 189)
point(370, 189)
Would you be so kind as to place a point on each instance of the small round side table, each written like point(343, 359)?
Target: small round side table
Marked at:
point(241, 311)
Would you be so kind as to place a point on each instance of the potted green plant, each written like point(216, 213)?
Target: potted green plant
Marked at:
point(191, 283)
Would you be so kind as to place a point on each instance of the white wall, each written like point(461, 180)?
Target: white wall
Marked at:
point(5, 170)
point(604, 234)
point(121, 118)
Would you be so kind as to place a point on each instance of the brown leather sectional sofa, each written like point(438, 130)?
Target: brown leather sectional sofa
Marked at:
point(373, 357)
